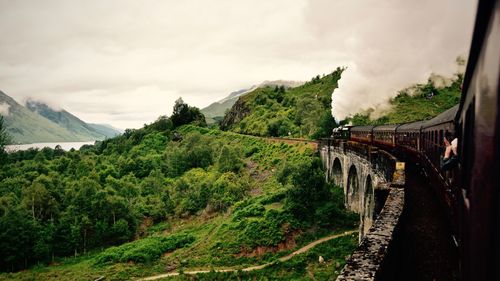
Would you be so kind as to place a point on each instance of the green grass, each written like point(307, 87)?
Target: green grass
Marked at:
point(304, 266)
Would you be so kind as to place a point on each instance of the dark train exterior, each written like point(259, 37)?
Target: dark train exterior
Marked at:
point(470, 191)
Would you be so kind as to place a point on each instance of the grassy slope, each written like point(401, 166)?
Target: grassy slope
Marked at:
point(296, 112)
point(220, 237)
point(424, 102)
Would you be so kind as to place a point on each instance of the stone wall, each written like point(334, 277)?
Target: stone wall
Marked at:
point(365, 262)
point(367, 176)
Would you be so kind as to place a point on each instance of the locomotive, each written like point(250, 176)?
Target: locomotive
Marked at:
point(470, 191)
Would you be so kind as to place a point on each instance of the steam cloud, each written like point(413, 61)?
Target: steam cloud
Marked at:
point(390, 45)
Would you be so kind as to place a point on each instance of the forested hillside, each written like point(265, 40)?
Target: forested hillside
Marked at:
point(303, 111)
point(173, 195)
point(415, 103)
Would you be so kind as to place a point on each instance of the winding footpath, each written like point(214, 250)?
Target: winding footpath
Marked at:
point(257, 267)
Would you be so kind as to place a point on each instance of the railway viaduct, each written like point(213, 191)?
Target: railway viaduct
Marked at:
point(372, 181)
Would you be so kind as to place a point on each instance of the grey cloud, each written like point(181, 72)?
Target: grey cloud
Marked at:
point(126, 62)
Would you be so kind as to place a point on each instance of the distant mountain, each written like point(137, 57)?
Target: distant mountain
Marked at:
point(106, 129)
point(42, 124)
point(215, 111)
point(71, 122)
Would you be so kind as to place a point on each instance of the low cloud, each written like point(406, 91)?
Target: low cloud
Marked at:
point(4, 109)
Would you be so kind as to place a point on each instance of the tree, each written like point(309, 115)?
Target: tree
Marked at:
point(185, 114)
point(4, 139)
point(307, 187)
point(229, 160)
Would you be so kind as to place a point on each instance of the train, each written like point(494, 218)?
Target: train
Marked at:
point(469, 191)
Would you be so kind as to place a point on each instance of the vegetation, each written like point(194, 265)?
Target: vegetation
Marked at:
point(169, 195)
point(4, 139)
point(304, 266)
point(144, 250)
point(419, 102)
point(303, 111)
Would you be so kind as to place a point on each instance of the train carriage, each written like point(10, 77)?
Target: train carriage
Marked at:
point(384, 135)
point(362, 133)
point(433, 133)
point(408, 135)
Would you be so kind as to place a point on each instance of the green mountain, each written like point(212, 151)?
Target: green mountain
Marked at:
point(215, 111)
point(418, 102)
point(105, 129)
point(303, 111)
point(41, 124)
point(71, 122)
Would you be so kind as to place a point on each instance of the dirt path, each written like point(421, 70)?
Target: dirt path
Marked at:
point(257, 267)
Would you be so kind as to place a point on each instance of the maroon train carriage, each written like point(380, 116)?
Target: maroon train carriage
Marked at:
point(478, 126)
point(361, 134)
point(385, 135)
point(408, 136)
point(433, 133)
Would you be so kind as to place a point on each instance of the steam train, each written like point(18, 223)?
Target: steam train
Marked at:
point(471, 190)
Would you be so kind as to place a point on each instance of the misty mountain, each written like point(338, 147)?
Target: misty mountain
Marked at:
point(71, 122)
point(215, 111)
point(105, 129)
point(40, 123)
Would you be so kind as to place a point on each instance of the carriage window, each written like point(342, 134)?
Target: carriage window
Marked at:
point(441, 137)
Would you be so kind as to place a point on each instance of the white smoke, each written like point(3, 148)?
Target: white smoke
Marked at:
point(390, 45)
point(4, 109)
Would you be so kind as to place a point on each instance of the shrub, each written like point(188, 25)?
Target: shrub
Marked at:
point(253, 210)
point(144, 250)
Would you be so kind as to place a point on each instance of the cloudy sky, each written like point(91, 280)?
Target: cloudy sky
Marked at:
point(125, 62)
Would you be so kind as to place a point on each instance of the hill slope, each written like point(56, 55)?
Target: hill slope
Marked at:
point(215, 111)
point(303, 111)
point(206, 199)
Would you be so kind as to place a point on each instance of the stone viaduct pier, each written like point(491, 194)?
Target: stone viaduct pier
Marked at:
point(372, 180)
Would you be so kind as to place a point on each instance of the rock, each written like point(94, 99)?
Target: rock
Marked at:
point(321, 259)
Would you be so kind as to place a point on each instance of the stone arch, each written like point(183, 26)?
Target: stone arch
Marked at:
point(337, 173)
point(368, 205)
point(353, 189)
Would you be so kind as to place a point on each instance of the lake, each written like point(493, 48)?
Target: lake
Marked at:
point(64, 145)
